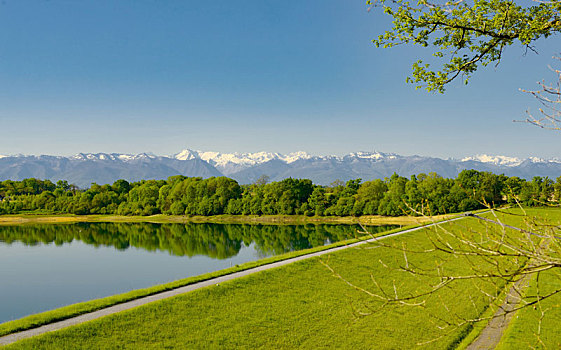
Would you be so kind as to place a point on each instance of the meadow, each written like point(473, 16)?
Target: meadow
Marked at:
point(537, 326)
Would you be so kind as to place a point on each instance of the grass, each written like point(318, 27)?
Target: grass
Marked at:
point(473, 331)
point(526, 331)
point(301, 305)
point(34, 218)
point(530, 328)
point(523, 329)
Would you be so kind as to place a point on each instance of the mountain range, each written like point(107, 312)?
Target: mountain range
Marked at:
point(85, 168)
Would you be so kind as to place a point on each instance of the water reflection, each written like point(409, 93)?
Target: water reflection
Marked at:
point(218, 241)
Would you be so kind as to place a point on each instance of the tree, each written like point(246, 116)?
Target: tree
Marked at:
point(262, 180)
point(549, 95)
point(465, 35)
point(318, 201)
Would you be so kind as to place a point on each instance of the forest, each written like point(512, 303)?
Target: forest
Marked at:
point(429, 194)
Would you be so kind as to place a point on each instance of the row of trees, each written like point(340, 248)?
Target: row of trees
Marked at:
point(180, 195)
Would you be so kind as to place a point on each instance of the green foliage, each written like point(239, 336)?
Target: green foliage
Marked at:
point(180, 195)
point(465, 35)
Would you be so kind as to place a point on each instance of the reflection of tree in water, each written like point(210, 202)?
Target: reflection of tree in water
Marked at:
point(213, 240)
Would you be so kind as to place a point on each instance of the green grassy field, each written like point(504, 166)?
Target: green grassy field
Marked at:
point(300, 305)
point(529, 328)
point(538, 326)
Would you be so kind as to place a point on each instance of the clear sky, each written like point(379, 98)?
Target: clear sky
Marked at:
point(160, 76)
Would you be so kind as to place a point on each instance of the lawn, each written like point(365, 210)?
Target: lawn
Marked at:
point(532, 329)
point(538, 326)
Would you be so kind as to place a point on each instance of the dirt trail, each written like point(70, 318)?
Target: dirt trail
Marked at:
point(492, 333)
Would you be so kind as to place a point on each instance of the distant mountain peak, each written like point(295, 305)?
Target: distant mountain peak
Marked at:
point(507, 161)
point(372, 155)
point(294, 156)
point(239, 160)
point(186, 154)
point(112, 156)
point(496, 160)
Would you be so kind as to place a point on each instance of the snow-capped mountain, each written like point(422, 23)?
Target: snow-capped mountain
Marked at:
point(84, 168)
point(112, 156)
point(496, 160)
point(229, 163)
point(507, 161)
point(371, 155)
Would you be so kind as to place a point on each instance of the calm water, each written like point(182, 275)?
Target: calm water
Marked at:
point(48, 266)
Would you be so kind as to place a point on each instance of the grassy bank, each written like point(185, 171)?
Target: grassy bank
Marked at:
point(219, 219)
point(301, 305)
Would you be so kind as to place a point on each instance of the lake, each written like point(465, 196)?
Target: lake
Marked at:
point(51, 265)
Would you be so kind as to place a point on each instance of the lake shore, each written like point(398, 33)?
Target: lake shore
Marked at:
point(219, 278)
point(220, 219)
point(65, 312)
point(267, 294)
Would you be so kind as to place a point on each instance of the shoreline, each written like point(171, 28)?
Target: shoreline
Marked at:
point(34, 321)
point(41, 323)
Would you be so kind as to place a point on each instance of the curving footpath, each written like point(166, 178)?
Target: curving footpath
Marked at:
point(55, 326)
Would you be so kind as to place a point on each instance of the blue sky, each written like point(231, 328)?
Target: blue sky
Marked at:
point(160, 76)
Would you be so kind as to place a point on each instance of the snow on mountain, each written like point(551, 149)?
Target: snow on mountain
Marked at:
point(232, 162)
point(2, 156)
point(496, 160)
point(125, 157)
point(241, 160)
point(186, 154)
point(222, 159)
point(93, 156)
point(508, 161)
point(112, 156)
point(294, 156)
point(371, 155)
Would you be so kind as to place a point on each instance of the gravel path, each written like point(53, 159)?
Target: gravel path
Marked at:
point(491, 335)
point(10, 338)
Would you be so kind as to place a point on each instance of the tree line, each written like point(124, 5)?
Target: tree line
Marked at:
point(180, 195)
